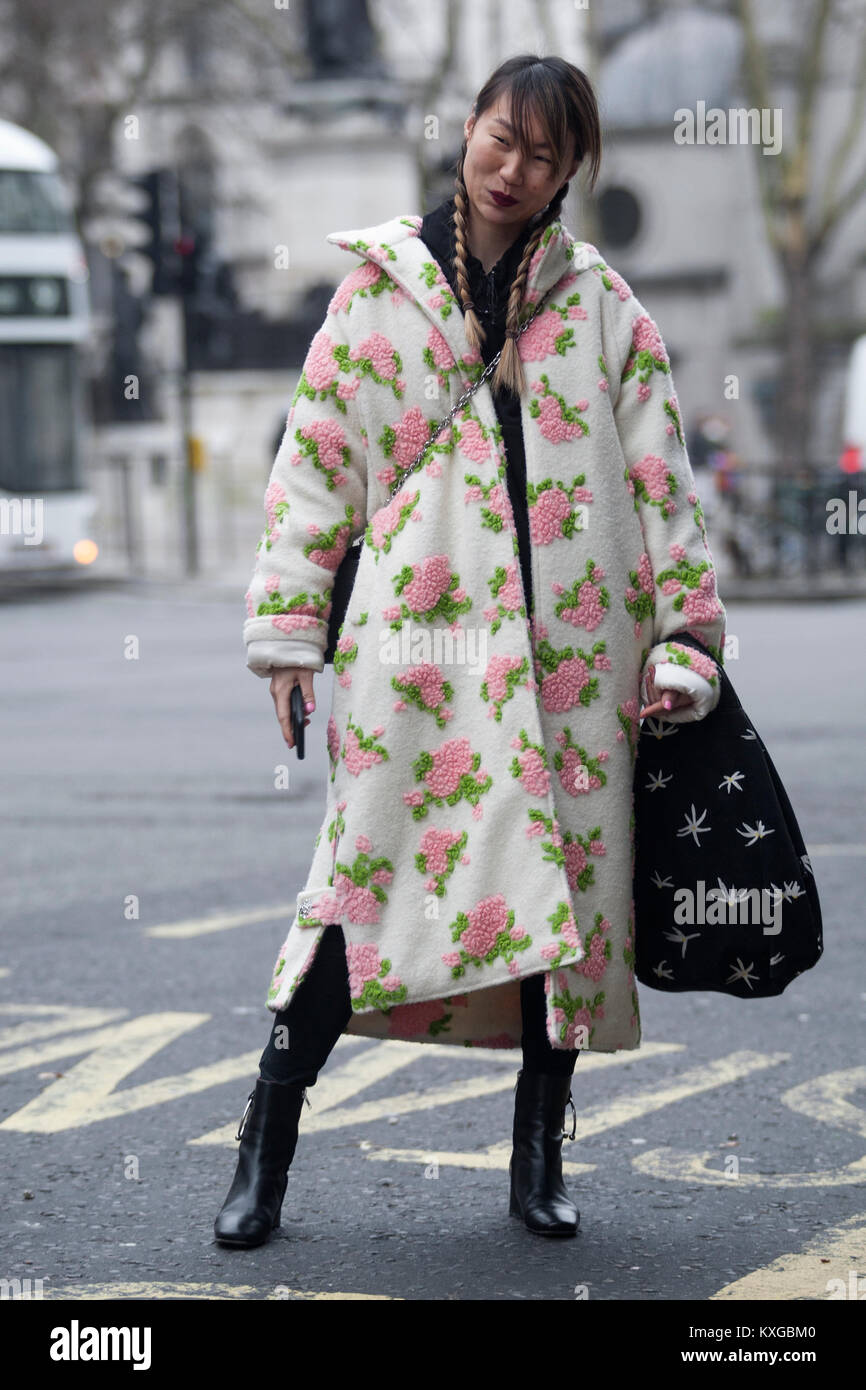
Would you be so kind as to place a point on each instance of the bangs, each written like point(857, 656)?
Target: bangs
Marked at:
point(536, 93)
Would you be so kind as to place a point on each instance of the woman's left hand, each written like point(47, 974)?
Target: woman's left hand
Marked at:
point(661, 701)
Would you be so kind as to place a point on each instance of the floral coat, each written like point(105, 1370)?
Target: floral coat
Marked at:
point(479, 823)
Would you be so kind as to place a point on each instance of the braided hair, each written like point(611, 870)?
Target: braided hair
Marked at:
point(509, 369)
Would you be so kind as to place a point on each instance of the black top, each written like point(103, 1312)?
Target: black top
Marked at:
point(490, 295)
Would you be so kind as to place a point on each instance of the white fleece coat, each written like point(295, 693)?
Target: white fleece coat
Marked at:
point(479, 823)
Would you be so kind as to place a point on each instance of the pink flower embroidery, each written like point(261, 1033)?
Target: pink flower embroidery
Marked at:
point(273, 496)
point(560, 689)
point(410, 432)
point(472, 441)
point(534, 775)
point(547, 514)
point(387, 519)
point(552, 425)
point(364, 965)
point(443, 357)
point(410, 1020)
point(360, 279)
point(320, 369)
point(434, 846)
point(510, 595)
point(330, 439)
point(381, 354)
point(622, 289)
point(645, 336)
point(701, 605)
point(432, 578)
point(496, 673)
point(575, 862)
point(539, 340)
point(333, 738)
point(358, 759)
point(652, 471)
point(486, 921)
point(589, 611)
point(428, 679)
point(451, 762)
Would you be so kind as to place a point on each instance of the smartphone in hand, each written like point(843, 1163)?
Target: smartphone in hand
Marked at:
point(296, 710)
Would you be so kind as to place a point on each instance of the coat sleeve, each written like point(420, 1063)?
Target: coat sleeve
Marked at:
point(315, 505)
point(659, 477)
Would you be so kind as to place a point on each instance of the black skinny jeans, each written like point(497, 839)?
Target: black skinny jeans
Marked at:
point(321, 1007)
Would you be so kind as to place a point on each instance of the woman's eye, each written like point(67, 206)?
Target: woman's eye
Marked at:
point(499, 138)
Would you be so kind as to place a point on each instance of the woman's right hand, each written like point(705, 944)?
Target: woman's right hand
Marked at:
point(282, 680)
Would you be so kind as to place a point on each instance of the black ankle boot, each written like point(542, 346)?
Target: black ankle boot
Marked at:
point(538, 1193)
point(268, 1132)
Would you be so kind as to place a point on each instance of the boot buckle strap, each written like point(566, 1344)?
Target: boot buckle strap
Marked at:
point(244, 1116)
point(573, 1119)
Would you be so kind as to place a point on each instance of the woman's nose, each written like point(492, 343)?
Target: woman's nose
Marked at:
point(512, 168)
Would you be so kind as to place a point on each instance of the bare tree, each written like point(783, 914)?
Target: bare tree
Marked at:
point(799, 226)
point(72, 72)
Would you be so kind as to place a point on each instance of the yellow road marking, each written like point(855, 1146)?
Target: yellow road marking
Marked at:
point(198, 1291)
point(220, 921)
point(27, 1057)
point(86, 1093)
point(805, 1275)
point(327, 1114)
point(696, 1168)
point(332, 1088)
point(824, 1098)
point(51, 1019)
point(687, 1083)
point(620, 1111)
point(495, 1157)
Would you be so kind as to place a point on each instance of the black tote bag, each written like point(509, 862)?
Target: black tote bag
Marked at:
point(716, 838)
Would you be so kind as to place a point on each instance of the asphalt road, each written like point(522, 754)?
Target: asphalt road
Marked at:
point(722, 1160)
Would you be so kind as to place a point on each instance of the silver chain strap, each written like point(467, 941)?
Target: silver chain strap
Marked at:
point(488, 371)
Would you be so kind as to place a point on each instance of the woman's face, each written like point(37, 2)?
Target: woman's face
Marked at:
point(494, 164)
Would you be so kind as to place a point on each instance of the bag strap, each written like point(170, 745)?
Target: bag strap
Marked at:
point(488, 371)
point(467, 394)
point(463, 399)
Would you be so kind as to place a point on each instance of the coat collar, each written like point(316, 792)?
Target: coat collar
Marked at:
point(396, 246)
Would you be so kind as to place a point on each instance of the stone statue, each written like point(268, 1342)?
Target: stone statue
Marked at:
point(340, 39)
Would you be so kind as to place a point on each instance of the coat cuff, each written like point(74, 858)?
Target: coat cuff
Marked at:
point(264, 655)
point(674, 666)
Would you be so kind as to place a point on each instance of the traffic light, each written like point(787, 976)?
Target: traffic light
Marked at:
point(160, 215)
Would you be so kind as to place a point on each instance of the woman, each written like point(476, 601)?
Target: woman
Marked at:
point(472, 877)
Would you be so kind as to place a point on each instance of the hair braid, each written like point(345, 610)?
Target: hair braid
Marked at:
point(475, 333)
point(509, 373)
